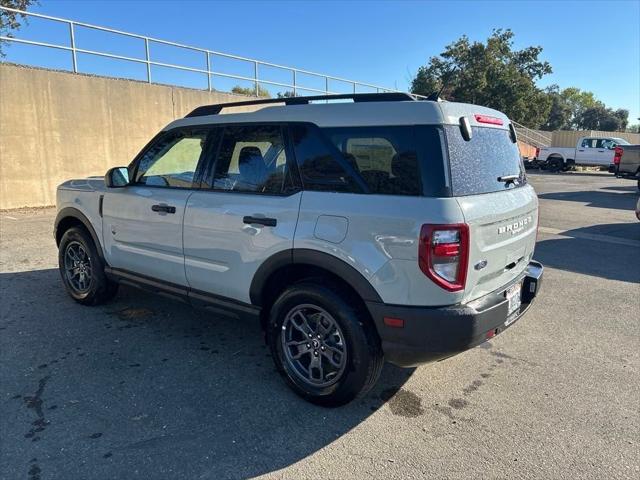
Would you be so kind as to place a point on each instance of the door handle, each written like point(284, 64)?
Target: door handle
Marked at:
point(601, 151)
point(581, 150)
point(163, 208)
point(267, 222)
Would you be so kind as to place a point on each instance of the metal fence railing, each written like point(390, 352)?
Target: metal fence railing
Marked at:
point(532, 137)
point(295, 87)
point(208, 62)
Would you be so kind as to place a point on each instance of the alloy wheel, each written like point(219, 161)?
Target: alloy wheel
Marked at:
point(313, 345)
point(77, 267)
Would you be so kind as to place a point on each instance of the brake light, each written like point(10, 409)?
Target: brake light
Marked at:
point(537, 152)
point(443, 254)
point(488, 119)
point(617, 155)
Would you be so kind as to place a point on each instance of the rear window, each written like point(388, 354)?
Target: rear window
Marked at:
point(477, 164)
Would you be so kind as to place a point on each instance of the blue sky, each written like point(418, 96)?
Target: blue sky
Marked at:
point(590, 44)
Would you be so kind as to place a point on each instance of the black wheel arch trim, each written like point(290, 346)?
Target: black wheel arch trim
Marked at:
point(305, 256)
point(70, 212)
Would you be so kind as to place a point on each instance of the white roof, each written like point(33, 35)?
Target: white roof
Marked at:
point(355, 114)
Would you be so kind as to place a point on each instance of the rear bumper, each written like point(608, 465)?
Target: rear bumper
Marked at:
point(434, 333)
point(627, 175)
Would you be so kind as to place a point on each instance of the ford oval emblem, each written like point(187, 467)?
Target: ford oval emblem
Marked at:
point(480, 265)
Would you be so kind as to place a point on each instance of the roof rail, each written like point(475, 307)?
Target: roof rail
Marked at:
point(356, 97)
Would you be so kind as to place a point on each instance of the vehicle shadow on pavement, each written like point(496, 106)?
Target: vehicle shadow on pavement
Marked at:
point(591, 257)
point(146, 387)
point(627, 231)
point(596, 198)
point(629, 188)
point(540, 171)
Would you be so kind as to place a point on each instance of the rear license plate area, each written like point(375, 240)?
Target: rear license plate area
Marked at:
point(513, 294)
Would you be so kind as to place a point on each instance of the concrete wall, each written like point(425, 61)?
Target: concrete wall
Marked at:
point(55, 126)
point(526, 150)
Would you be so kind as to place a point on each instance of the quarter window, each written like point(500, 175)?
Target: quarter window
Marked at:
point(172, 161)
point(385, 157)
point(252, 159)
point(320, 167)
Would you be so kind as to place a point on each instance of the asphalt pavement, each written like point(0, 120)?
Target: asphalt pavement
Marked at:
point(147, 388)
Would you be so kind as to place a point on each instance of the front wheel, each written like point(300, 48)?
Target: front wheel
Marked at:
point(323, 345)
point(82, 269)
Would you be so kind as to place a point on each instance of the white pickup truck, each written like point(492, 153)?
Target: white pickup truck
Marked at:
point(589, 151)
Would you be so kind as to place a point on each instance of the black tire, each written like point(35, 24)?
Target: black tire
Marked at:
point(363, 355)
point(555, 164)
point(96, 288)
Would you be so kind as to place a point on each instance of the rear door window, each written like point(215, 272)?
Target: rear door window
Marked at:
point(252, 159)
point(477, 164)
point(607, 143)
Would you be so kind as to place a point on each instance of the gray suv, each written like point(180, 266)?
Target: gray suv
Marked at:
point(355, 228)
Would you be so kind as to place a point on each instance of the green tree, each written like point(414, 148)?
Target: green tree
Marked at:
point(10, 21)
point(251, 91)
point(574, 109)
point(579, 101)
point(560, 114)
point(491, 74)
point(600, 117)
point(623, 115)
point(286, 94)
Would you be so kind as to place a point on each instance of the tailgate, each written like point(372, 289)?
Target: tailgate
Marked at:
point(501, 214)
point(502, 237)
point(630, 160)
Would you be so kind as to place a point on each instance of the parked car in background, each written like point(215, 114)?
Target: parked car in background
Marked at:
point(589, 151)
point(638, 209)
point(627, 162)
point(382, 229)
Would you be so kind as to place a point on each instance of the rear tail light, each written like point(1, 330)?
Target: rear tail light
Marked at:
point(443, 254)
point(617, 155)
point(537, 152)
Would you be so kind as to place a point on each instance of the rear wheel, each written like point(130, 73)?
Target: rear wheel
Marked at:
point(82, 269)
point(555, 164)
point(323, 344)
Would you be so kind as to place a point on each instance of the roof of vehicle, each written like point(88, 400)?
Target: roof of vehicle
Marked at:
point(364, 110)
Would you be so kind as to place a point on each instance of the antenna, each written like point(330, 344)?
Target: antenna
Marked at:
point(435, 96)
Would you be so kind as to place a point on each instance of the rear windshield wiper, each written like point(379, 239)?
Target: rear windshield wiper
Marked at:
point(509, 178)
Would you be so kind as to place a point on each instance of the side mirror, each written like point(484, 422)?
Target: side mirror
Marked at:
point(117, 177)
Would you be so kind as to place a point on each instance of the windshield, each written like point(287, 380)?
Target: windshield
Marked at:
point(481, 164)
point(621, 141)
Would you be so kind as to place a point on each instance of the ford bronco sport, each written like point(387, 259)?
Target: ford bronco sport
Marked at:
point(384, 228)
